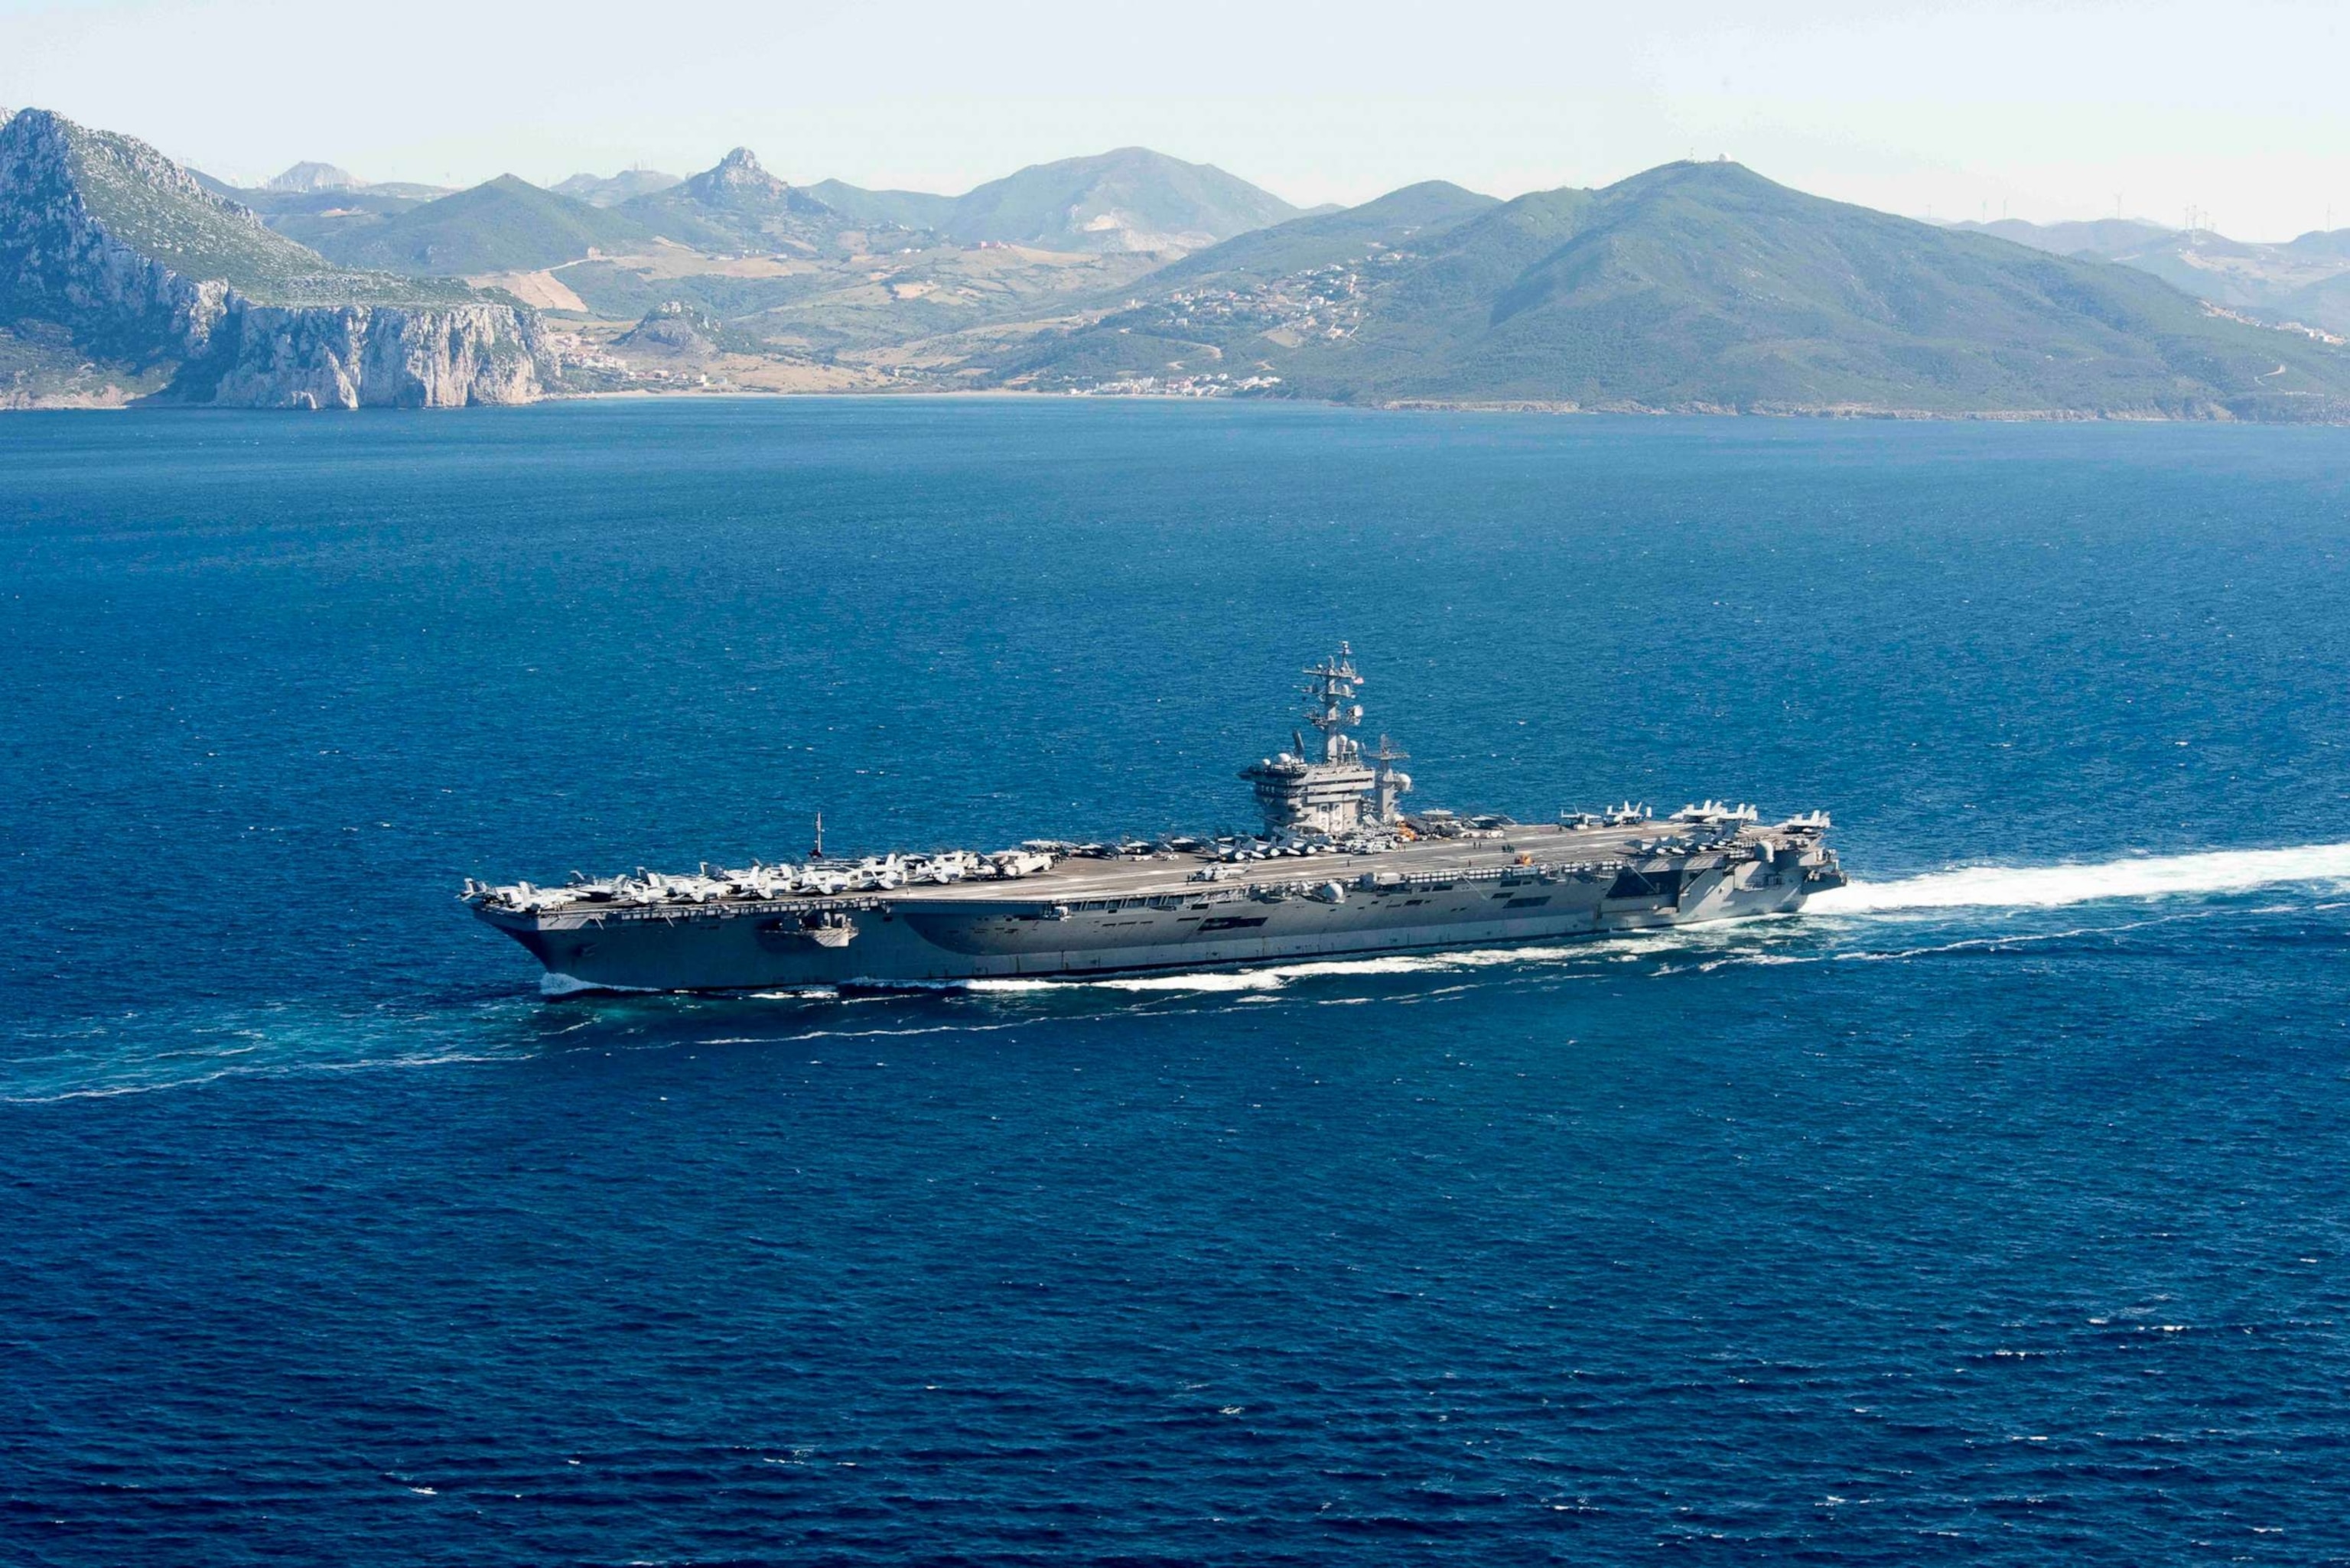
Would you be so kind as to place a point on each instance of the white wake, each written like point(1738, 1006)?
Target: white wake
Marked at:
point(1978, 887)
point(2047, 887)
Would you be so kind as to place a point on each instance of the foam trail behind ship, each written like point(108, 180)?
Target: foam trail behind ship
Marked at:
point(2049, 887)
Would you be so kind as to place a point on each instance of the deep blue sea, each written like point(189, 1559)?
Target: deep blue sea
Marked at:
point(1999, 1210)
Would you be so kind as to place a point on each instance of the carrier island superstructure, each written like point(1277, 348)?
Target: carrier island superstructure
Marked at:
point(1340, 867)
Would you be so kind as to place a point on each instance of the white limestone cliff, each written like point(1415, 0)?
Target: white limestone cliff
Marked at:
point(106, 238)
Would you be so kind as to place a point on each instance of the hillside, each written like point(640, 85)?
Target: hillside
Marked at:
point(113, 255)
point(1129, 200)
point(904, 209)
point(1391, 222)
point(2320, 244)
point(2106, 237)
point(1703, 286)
point(1249, 308)
point(319, 220)
point(600, 192)
point(148, 205)
point(2302, 280)
point(504, 226)
point(736, 206)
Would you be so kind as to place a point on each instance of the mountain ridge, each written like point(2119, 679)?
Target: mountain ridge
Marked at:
point(307, 177)
point(505, 224)
point(1129, 198)
point(736, 205)
point(1322, 238)
point(597, 190)
point(111, 252)
point(2104, 237)
point(2303, 280)
point(1706, 288)
point(1687, 287)
point(905, 209)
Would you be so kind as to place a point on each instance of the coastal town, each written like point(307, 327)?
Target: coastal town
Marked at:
point(1328, 303)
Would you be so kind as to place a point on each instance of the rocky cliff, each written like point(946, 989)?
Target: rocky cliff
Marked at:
point(105, 241)
point(374, 356)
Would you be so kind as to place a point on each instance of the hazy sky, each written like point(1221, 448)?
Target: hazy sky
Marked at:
point(2046, 110)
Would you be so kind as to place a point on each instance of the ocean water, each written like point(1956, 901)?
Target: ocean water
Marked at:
point(1997, 1210)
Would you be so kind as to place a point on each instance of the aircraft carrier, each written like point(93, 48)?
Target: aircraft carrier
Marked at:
point(1339, 868)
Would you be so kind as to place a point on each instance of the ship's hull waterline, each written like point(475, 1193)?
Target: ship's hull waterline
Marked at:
point(1124, 918)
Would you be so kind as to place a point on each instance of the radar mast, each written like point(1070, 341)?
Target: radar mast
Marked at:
point(1330, 705)
point(1325, 796)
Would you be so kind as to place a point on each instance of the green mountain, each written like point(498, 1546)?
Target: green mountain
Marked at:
point(2323, 304)
point(323, 207)
point(323, 219)
point(900, 209)
point(2302, 280)
point(737, 206)
point(1251, 306)
point(2299, 281)
point(505, 226)
point(2320, 244)
point(1129, 200)
point(1703, 286)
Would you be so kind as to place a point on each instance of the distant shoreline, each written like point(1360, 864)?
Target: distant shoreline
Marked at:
point(86, 403)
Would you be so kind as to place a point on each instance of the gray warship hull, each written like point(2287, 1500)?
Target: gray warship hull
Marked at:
point(1339, 870)
point(1532, 885)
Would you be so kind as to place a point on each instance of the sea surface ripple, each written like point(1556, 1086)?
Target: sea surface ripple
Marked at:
point(1993, 1211)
